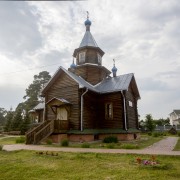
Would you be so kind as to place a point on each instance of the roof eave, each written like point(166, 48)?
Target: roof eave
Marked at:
point(88, 47)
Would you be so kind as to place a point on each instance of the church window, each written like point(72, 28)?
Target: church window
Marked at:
point(99, 59)
point(108, 110)
point(130, 104)
point(81, 57)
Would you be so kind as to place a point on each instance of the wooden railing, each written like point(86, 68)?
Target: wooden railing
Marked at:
point(44, 132)
point(30, 135)
point(60, 125)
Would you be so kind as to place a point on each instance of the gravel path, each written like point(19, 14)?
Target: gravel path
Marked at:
point(167, 144)
point(163, 147)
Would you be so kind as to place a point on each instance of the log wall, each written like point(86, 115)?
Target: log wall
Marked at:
point(92, 74)
point(118, 120)
point(66, 88)
point(132, 115)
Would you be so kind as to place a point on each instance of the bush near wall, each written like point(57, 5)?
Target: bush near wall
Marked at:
point(110, 139)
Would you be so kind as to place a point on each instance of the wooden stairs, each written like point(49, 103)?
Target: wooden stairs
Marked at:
point(39, 133)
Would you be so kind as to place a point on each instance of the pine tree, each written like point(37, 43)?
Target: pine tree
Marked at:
point(2, 116)
point(17, 120)
point(26, 124)
point(32, 96)
point(9, 119)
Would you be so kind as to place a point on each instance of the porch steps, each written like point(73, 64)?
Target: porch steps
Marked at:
point(39, 133)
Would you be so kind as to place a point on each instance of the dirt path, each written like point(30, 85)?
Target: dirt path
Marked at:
point(167, 144)
point(163, 147)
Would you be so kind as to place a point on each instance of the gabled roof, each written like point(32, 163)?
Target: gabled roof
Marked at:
point(177, 111)
point(118, 83)
point(60, 101)
point(115, 83)
point(80, 81)
point(108, 85)
point(88, 40)
point(40, 106)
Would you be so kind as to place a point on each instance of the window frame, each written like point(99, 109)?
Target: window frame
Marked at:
point(109, 110)
point(82, 56)
point(130, 103)
point(99, 58)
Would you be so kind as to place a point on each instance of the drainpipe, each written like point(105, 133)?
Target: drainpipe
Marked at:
point(124, 103)
point(82, 104)
point(44, 112)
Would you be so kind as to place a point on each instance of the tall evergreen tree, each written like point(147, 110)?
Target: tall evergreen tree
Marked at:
point(33, 91)
point(17, 120)
point(9, 119)
point(2, 116)
point(26, 124)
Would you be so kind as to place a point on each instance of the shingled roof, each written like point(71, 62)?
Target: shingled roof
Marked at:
point(108, 85)
point(88, 40)
point(177, 111)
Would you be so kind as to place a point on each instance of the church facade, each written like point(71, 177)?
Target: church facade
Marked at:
point(86, 103)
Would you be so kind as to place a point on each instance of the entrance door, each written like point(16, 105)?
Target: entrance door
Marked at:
point(62, 114)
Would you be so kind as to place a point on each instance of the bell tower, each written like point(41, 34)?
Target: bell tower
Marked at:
point(89, 58)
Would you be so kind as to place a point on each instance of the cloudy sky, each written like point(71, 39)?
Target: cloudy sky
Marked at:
point(143, 36)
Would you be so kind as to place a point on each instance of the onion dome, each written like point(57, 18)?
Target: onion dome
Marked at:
point(87, 22)
point(73, 66)
point(114, 69)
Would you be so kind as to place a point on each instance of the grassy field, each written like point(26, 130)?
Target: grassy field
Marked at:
point(12, 140)
point(145, 141)
point(8, 140)
point(177, 147)
point(24, 165)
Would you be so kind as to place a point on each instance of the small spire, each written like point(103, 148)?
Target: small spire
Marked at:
point(114, 69)
point(73, 66)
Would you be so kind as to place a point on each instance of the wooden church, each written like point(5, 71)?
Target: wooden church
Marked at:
point(85, 103)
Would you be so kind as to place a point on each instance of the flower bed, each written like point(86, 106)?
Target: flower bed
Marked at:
point(151, 162)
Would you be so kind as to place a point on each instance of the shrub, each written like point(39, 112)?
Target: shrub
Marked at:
point(149, 133)
point(164, 134)
point(49, 141)
point(178, 133)
point(110, 139)
point(156, 134)
point(65, 143)
point(1, 147)
point(21, 139)
point(85, 145)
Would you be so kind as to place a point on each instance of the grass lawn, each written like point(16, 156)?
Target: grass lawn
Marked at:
point(24, 165)
point(9, 140)
point(177, 147)
point(145, 141)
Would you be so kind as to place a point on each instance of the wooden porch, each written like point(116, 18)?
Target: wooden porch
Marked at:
point(45, 129)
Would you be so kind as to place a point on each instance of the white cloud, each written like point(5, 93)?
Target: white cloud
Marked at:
point(143, 36)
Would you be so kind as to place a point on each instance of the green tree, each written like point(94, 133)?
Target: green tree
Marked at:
point(3, 113)
point(149, 122)
point(17, 120)
point(32, 96)
point(9, 119)
point(26, 124)
point(162, 122)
